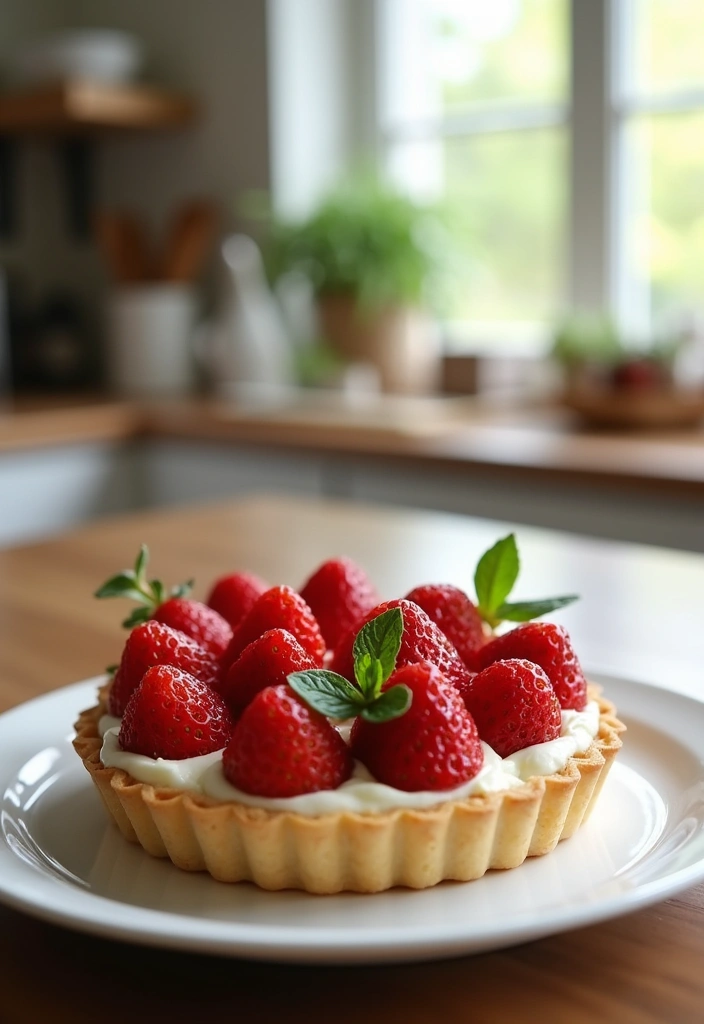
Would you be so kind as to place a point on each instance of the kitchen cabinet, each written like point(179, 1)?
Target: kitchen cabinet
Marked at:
point(181, 471)
point(46, 491)
point(60, 467)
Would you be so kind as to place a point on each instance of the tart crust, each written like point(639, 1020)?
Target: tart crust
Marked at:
point(455, 840)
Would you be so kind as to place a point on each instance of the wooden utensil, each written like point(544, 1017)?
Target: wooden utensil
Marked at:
point(188, 241)
point(122, 238)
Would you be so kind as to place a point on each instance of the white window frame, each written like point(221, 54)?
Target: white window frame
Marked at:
point(341, 38)
point(628, 298)
point(600, 194)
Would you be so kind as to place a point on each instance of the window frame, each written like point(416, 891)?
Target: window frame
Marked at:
point(325, 56)
point(596, 116)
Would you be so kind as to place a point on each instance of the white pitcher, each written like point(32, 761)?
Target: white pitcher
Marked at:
point(247, 344)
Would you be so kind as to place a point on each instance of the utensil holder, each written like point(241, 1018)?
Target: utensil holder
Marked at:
point(149, 330)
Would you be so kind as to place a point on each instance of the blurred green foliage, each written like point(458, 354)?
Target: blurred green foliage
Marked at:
point(366, 238)
point(509, 190)
point(595, 339)
point(587, 338)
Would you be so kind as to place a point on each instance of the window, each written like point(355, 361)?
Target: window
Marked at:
point(567, 138)
point(473, 110)
point(660, 114)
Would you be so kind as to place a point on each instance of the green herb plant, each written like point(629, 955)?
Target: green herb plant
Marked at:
point(365, 239)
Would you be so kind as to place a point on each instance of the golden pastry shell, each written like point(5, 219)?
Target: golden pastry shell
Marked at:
point(344, 851)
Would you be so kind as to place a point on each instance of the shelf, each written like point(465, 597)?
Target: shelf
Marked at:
point(77, 107)
point(76, 112)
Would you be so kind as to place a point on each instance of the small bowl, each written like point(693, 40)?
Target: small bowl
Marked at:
point(663, 408)
point(96, 55)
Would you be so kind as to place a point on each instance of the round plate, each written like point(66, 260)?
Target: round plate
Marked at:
point(61, 859)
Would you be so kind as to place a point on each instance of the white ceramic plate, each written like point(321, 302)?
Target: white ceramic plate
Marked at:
point(60, 859)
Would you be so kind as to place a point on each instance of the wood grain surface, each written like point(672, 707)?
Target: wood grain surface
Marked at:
point(67, 107)
point(640, 615)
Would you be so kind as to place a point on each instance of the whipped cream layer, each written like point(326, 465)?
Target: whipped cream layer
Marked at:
point(361, 793)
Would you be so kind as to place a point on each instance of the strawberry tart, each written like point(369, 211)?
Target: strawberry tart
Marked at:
point(326, 741)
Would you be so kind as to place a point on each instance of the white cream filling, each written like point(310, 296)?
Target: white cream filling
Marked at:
point(360, 793)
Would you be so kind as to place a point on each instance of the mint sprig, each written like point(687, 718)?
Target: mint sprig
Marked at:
point(375, 651)
point(134, 585)
point(494, 579)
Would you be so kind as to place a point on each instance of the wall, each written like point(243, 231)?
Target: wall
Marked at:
point(212, 49)
point(40, 235)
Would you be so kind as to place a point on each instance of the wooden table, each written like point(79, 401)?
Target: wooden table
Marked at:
point(640, 615)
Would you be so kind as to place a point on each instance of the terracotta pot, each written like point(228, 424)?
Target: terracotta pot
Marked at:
point(399, 341)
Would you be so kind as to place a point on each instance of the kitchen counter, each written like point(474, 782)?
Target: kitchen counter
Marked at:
point(638, 617)
point(27, 424)
point(454, 434)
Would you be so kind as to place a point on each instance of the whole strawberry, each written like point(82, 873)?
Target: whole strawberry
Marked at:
point(174, 608)
point(154, 643)
point(280, 747)
point(196, 620)
point(434, 745)
point(173, 715)
point(267, 661)
point(451, 609)
point(514, 706)
point(278, 608)
point(549, 646)
point(340, 594)
point(422, 640)
point(233, 595)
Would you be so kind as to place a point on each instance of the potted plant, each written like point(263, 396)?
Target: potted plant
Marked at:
point(372, 256)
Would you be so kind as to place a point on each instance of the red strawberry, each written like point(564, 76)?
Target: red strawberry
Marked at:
point(280, 747)
point(154, 643)
point(196, 620)
point(549, 646)
point(173, 715)
point(278, 608)
point(514, 706)
point(433, 746)
point(267, 661)
point(232, 596)
point(422, 640)
point(339, 594)
point(458, 618)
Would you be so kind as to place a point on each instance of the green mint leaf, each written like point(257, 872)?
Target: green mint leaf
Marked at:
point(369, 674)
point(524, 611)
point(136, 617)
point(392, 703)
point(327, 692)
point(496, 574)
point(123, 584)
point(377, 641)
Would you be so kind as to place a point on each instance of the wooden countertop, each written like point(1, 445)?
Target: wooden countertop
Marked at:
point(454, 435)
point(640, 616)
point(27, 424)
